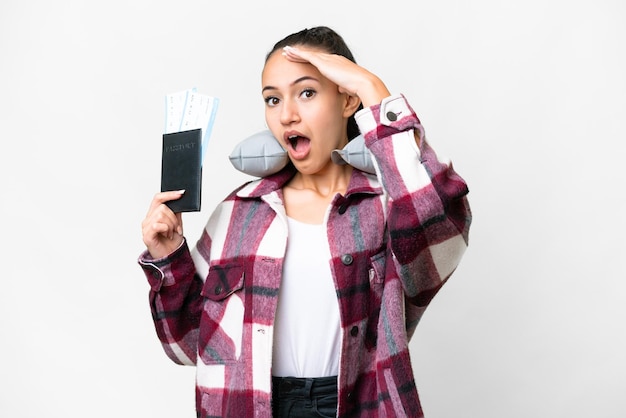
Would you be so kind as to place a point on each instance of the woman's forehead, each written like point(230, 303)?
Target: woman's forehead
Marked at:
point(279, 71)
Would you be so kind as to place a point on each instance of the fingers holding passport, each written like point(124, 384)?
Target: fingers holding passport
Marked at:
point(162, 229)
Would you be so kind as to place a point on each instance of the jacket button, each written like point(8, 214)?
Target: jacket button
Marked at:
point(347, 259)
point(392, 116)
point(218, 289)
point(354, 331)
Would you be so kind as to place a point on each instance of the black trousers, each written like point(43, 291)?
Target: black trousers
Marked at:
point(304, 397)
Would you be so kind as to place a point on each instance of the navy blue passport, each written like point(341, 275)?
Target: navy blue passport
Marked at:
point(181, 168)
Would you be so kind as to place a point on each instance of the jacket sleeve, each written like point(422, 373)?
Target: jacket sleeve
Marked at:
point(175, 302)
point(428, 215)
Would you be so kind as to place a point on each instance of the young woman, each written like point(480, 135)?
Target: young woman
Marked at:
point(305, 287)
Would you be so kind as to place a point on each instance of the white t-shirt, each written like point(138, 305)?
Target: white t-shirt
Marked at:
point(307, 332)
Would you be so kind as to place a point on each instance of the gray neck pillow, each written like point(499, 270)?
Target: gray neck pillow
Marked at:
point(261, 155)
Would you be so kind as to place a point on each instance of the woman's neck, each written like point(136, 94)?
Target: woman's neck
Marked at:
point(328, 183)
point(307, 196)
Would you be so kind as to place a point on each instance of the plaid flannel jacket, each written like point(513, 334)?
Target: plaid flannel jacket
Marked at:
point(395, 238)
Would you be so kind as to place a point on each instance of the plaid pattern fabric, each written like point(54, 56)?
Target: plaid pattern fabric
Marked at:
point(395, 238)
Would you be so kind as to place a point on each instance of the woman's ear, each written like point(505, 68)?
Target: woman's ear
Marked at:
point(352, 104)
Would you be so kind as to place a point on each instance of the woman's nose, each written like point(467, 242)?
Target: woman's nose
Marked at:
point(289, 112)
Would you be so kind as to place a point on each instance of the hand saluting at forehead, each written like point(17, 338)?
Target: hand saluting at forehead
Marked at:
point(350, 77)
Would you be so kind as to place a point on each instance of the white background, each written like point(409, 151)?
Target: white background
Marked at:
point(528, 98)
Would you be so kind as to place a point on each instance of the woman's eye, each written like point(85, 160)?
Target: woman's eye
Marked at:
point(271, 101)
point(308, 93)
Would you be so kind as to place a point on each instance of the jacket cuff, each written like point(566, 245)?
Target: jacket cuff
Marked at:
point(391, 116)
point(156, 269)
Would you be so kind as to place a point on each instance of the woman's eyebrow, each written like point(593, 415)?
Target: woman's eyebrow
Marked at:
point(299, 80)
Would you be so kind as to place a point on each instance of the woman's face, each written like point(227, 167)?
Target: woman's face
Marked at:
point(305, 112)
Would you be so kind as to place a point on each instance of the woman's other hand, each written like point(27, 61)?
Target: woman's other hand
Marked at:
point(351, 78)
point(162, 229)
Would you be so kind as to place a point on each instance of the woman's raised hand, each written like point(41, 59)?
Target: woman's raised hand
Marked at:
point(351, 78)
point(162, 229)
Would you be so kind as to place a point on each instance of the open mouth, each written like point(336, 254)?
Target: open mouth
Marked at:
point(298, 145)
point(297, 141)
point(293, 140)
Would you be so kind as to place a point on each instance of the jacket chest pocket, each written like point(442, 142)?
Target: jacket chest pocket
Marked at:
point(376, 272)
point(221, 325)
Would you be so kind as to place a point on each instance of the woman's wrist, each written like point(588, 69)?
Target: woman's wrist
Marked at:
point(373, 91)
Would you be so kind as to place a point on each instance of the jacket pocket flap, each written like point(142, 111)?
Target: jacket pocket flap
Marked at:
point(377, 269)
point(222, 281)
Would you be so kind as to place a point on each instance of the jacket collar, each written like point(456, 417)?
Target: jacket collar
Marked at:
point(360, 182)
